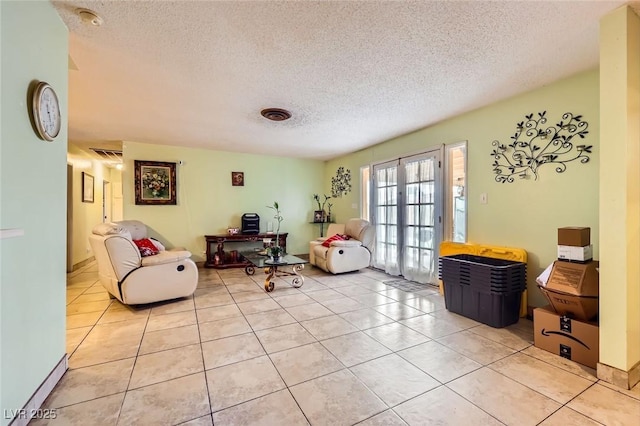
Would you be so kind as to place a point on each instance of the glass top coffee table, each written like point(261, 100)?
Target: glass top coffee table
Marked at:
point(287, 266)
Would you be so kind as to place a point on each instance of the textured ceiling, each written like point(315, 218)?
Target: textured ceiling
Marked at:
point(352, 73)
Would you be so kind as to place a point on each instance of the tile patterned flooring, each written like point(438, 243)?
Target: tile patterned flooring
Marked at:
point(341, 350)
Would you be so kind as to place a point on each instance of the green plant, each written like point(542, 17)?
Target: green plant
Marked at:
point(276, 250)
point(317, 198)
point(329, 205)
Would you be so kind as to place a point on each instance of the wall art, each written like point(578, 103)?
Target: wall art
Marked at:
point(155, 182)
point(535, 145)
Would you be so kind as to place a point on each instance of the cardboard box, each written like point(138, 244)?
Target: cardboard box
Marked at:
point(573, 289)
point(577, 307)
point(574, 236)
point(569, 338)
point(579, 279)
point(580, 254)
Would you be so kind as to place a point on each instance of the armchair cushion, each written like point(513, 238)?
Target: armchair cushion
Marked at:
point(346, 243)
point(158, 244)
point(166, 256)
point(333, 238)
point(146, 247)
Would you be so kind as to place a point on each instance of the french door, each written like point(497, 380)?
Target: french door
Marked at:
point(407, 213)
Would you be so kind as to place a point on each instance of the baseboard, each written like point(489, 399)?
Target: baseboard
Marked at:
point(82, 264)
point(620, 378)
point(32, 407)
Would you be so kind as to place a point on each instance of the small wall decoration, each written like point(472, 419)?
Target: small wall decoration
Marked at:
point(237, 178)
point(534, 146)
point(155, 182)
point(318, 216)
point(341, 183)
point(87, 188)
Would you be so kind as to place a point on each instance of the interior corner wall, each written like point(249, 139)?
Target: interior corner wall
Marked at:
point(33, 188)
point(527, 212)
point(207, 203)
point(85, 215)
point(620, 189)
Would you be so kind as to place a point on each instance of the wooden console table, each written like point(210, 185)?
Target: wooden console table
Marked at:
point(218, 258)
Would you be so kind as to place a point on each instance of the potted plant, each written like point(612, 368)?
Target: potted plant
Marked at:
point(276, 251)
point(321, 207)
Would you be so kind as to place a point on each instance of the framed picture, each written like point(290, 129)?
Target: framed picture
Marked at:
point(155, 182)
point(318, 216)
point(237, 178)
point(87, 188)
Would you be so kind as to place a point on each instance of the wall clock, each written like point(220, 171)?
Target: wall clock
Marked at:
point(46, 111)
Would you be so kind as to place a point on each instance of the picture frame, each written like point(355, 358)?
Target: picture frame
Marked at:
point(88, 192)
point(155, 182)
point(237, 178)
point(318, 216)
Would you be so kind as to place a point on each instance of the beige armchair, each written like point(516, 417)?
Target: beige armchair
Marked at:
point(344, 256)
point(133, 279)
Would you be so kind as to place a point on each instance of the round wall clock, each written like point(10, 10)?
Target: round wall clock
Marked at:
point(46, 111)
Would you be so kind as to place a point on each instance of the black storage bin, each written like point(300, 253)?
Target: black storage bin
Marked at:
point(484, 289)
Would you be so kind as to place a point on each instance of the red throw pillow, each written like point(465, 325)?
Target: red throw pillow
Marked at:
point(336, 237)
point(146, 247)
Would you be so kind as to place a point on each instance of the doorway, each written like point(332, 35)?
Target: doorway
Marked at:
point(69, 217)
point(407, 213)
point(106, 201)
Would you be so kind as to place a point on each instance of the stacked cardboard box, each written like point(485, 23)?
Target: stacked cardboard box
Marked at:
point(574, 244)
point(573, 289)
point(566, 327)
point(569, 338)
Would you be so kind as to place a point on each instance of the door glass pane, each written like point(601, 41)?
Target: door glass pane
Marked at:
point(386, 217)
point(418, 263)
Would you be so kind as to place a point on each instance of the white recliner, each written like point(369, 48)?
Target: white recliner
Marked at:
point(133, 279)
point(344, 256)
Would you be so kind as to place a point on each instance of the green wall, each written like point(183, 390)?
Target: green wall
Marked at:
point(33, 196)
point(526, 213)
point(208, 204)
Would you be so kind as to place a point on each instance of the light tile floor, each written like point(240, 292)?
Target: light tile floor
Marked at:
point(341, 350)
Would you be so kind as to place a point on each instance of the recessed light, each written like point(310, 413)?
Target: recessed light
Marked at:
point(276, 114)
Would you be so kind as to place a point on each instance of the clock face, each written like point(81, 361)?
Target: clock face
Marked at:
point(46, 112)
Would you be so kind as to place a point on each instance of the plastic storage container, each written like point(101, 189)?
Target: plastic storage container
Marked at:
point(485, 289)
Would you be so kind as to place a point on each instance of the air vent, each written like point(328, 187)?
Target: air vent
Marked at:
point(276, 114)
point(109, 154)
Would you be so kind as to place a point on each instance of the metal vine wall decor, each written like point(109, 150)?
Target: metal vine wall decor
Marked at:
point(341, 183)
point(534, 146)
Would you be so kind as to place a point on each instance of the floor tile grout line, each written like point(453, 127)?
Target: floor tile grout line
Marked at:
point(135, 361)
point(577, 396)
point(467, 356)
point(204, 365)
point(552, 365)
point(528, 386)
point(471, 402)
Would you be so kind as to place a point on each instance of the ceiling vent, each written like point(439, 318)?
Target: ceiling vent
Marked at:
point(276, 114)
point(109, 154)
